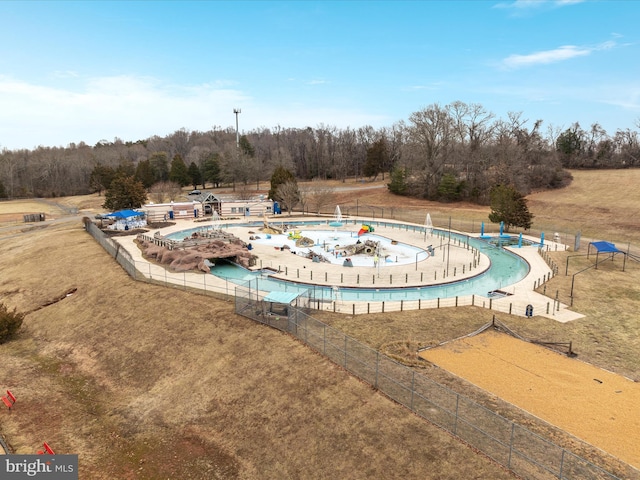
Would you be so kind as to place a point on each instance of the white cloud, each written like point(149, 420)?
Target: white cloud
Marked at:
point(544, 57)
point(133, 108)
point(523, 5)
point(105, 107)
point(560, 54)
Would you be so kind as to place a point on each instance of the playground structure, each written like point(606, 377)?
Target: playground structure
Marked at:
point(365, 229)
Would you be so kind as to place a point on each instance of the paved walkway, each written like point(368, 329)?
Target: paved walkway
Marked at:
point(448, 264)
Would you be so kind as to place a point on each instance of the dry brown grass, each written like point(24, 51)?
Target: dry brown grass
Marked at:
point(148, 382)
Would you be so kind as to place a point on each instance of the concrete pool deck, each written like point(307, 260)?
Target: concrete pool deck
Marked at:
point(428, 271)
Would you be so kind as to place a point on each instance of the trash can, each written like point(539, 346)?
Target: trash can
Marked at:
point(529, 311)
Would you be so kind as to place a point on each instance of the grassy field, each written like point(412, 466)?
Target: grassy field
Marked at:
point(148, 382)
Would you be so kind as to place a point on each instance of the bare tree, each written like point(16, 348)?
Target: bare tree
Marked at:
point(161, 192)
point(289, 195)
point(432, 136)
point(317, 196)
point(244, 192)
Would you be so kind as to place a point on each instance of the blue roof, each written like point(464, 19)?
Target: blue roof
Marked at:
point(126, 214)
point(606, 247)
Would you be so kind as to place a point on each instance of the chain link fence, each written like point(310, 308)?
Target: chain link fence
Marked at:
point(524, 452)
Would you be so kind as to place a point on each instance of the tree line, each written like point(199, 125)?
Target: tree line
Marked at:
point(453, 152)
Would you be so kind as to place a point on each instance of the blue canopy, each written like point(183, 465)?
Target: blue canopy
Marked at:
point(126, 214)
point(606, 247)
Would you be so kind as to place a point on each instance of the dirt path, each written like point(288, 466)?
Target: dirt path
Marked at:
point(595, 405)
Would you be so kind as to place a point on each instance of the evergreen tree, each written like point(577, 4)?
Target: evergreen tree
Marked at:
point(398, 184)
point(245, 147)
point(196, 175)
point(449, 188)
point(280, 176)
point(160, 166)
point(509, 206)
point(125, 168)
point(211, 169)
point(100, 178)
point(124, 192)
point(377, 158)
point(145, 173)
point(179, 172)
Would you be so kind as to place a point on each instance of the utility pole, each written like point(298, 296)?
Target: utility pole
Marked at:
point(237, 111)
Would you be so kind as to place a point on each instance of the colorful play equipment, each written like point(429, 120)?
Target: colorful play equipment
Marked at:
point(295, 235)
point(365, 229)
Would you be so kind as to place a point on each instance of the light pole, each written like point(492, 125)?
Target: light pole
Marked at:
point(237, 111)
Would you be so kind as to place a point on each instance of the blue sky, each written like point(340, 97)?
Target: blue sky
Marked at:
point(91, 70)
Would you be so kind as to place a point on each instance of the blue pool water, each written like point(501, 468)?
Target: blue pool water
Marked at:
point(506, 269)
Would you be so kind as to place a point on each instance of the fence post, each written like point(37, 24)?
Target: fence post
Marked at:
point(377, 368)
point(513, 427)
point(345, 353)
point(324, 338)
point(413, 387)
point(455, 419)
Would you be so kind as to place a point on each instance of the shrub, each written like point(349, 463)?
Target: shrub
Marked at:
point(10, 322)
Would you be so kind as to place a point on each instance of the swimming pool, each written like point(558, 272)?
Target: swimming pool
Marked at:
point(506, 269)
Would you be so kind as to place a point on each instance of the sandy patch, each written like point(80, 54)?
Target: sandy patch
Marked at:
point(595, 405)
